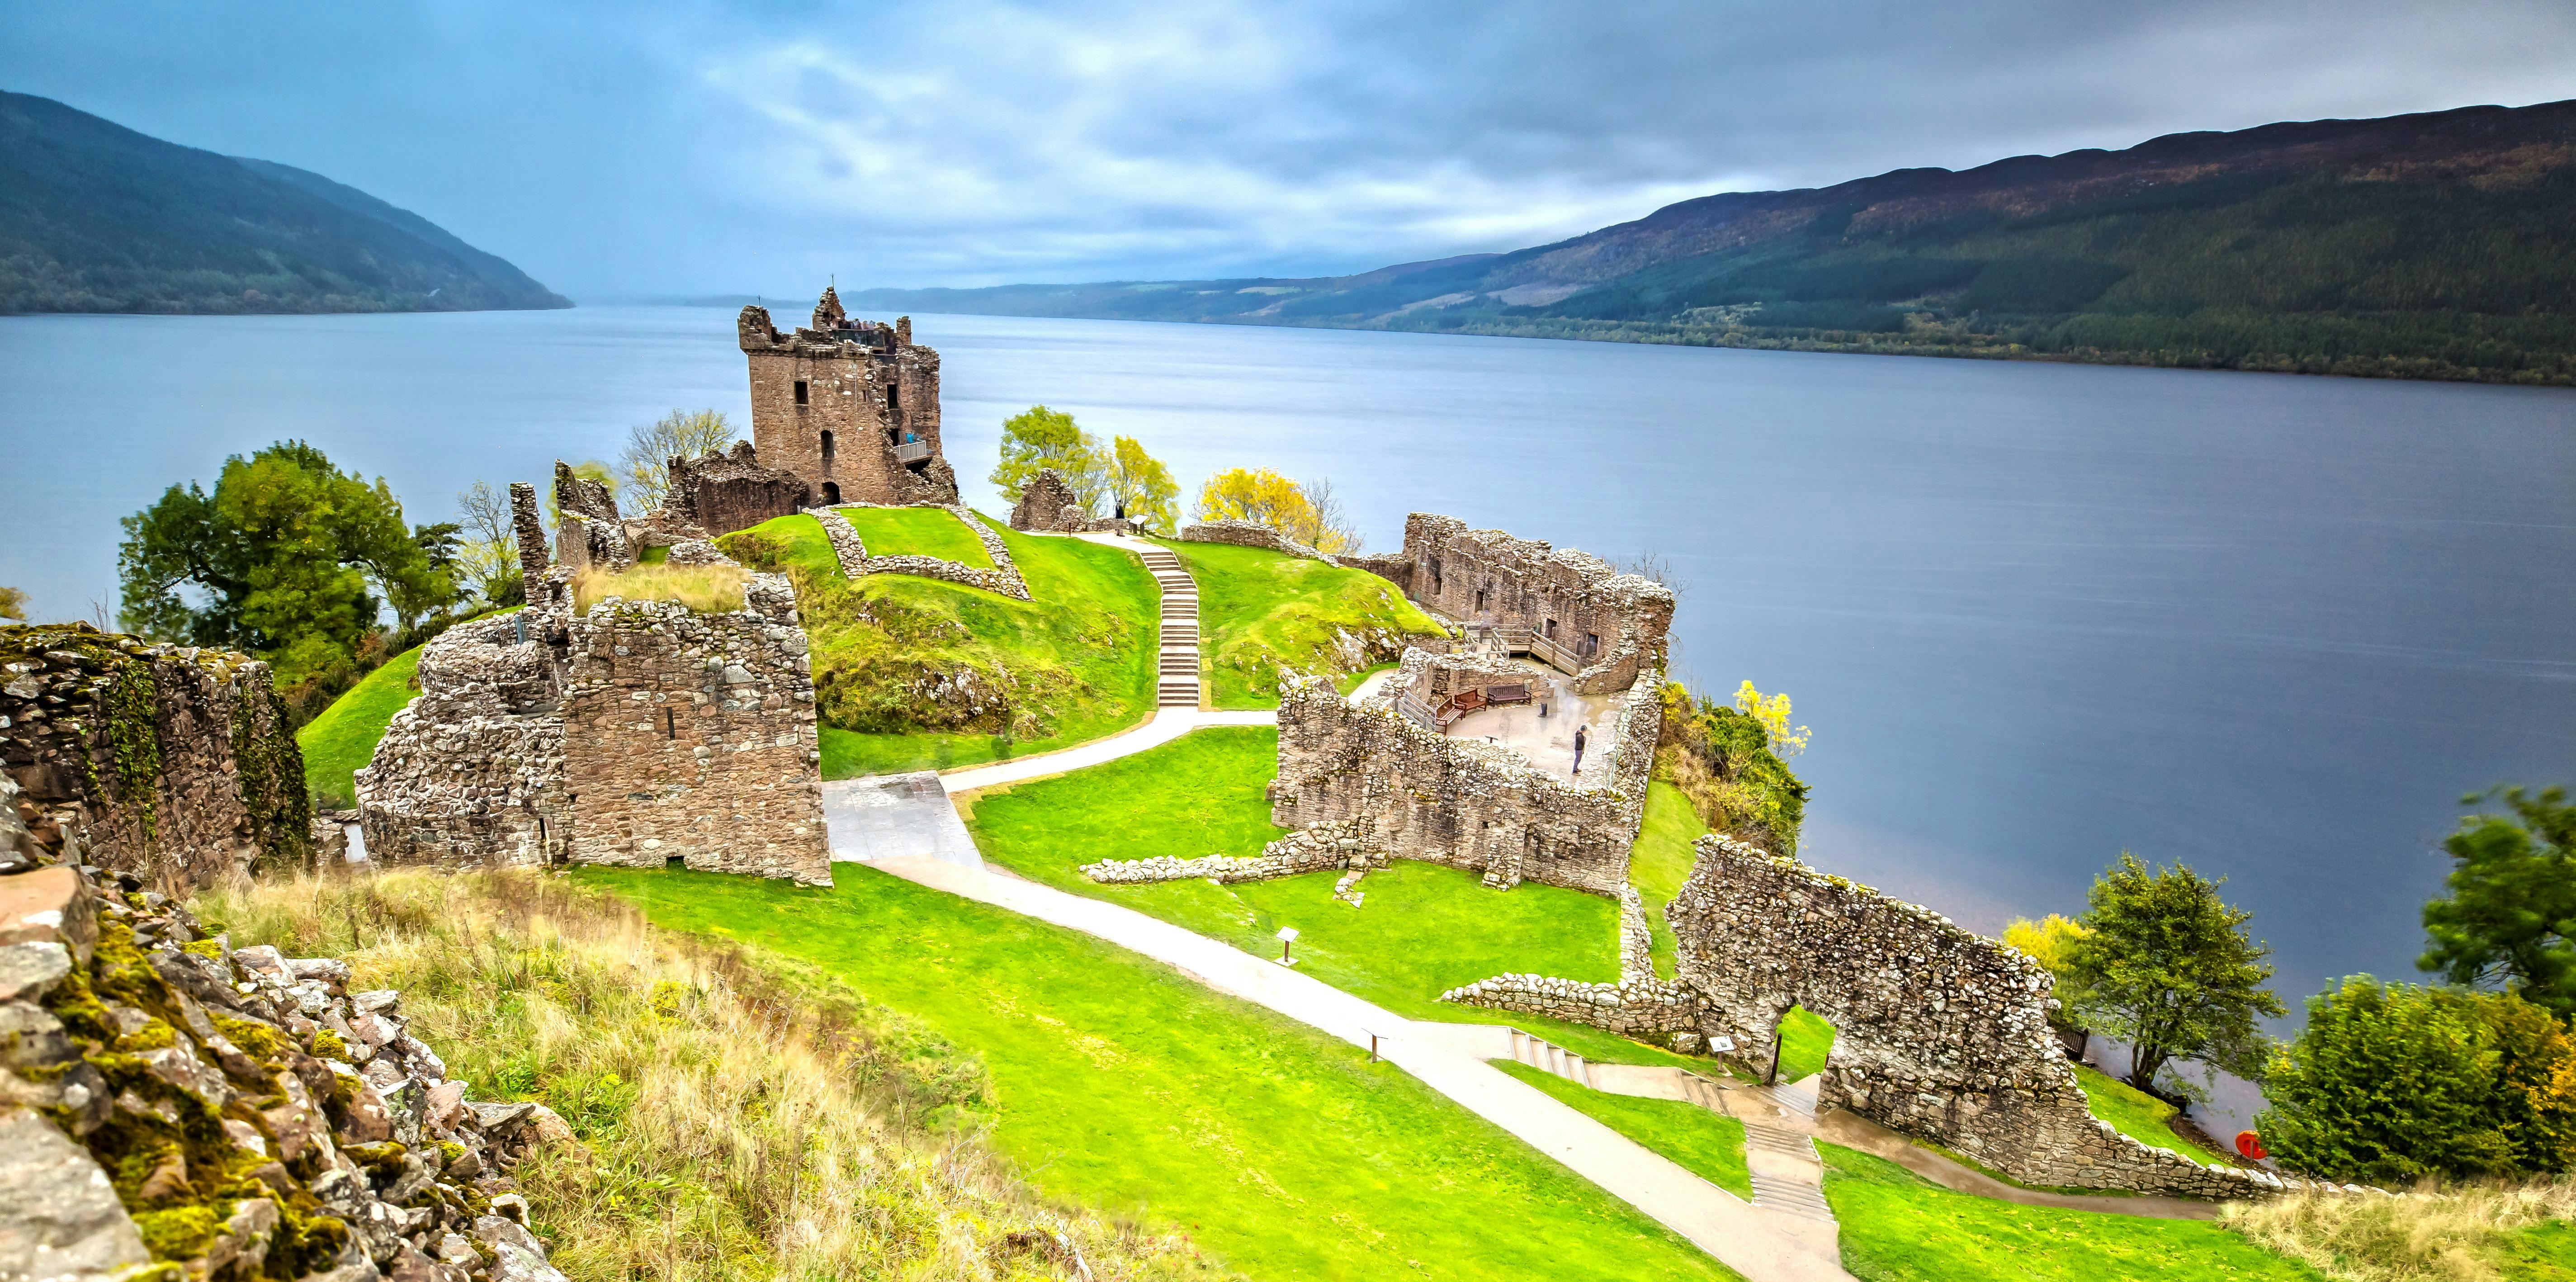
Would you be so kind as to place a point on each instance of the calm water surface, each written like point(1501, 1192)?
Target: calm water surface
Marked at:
point(2036, 614)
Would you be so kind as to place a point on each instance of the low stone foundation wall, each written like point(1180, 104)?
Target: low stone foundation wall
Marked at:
point(173, 762)
point(1248, 534)
point(852, 551)
point(1394, 567)
point(1328, 845)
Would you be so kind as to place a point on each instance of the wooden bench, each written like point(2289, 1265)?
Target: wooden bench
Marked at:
point(1507, 694)
point(1460, 705)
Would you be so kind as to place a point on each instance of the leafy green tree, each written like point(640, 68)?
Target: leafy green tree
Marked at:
point(2390, 1083)
point(644, 469)
point(1141, 486)
point(2510, 918)
point(2164, 964)
point(13, 604)
point(1039, 438)
point(285, 559)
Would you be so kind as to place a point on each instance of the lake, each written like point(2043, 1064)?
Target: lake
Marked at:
point(2036, 614)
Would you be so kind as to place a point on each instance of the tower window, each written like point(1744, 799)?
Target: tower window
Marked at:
point(894, 396)
point(802, 396)
point(827, 453)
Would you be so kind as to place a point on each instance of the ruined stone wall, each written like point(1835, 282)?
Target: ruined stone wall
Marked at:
point(691, 737)
point(1048, 503)
point(1394, 567)
point(471, 772)
point(175, 763)
point(721, 493)
point(1599, 625)
point(529, 529)
point(1939, 1032)
point(588, 532)
point(868, 386)
point(1419, 795)
point(852, 552)
point(1249, 534)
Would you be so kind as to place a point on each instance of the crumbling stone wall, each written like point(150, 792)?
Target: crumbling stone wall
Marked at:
point(472, 771)
point(588, 532)
point(840, 403)
point(692, 737)
point(720, 493)
point(1047, 503)
point(1567, 607)
point(1394, 567)
point(530, 530)
point(1249, 534)
point(852, 552)
point(172, 762)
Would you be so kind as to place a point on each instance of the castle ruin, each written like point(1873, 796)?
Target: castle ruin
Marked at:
point(850, 407)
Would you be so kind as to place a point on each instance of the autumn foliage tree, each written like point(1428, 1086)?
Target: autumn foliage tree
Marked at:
point(1141, 486)
point(1309, 513)
point(644, 469)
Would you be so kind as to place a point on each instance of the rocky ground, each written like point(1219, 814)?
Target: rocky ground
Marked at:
point(171, 1107)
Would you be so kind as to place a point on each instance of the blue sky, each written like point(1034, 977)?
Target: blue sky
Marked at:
point(706, 147)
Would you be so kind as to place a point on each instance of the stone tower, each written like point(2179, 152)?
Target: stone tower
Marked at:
point(850, 406)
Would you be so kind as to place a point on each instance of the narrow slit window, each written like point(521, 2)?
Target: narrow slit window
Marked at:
point(894, 396)
point(802, 396)
point(670, 724)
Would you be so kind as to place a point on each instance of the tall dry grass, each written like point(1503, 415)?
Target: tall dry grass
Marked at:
point(707, 589)
point(2448, 1236)
point(738, 1119)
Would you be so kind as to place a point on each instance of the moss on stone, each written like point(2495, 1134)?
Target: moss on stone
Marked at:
point(210, 949)
point(157, 1035)
point(329, 1045)
point(181, 1232)
point(256, 1039)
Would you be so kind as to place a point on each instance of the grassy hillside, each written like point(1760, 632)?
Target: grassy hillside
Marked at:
point(2422, 246)
point(98, 218)
point(917, 674)
point(340, 742)
point(1259, 609)
point(917, 531)
point(1421, 929)
point(1125, 1085)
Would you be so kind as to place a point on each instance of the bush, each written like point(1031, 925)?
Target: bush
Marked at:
point(1721, 759)
point(2392, 1083)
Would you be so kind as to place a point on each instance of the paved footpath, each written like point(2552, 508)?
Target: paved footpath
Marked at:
point(1764, 1245)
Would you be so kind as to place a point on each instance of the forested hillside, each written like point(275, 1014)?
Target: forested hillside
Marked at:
point(95, 217)
point(2425, 246)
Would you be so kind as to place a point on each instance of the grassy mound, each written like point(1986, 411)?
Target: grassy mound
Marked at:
point(917, 531)
point(1125, 1084)
point(919, 674)
point(1259, 609)
point(1707, 1144)
point(1422, 928)
point(340, 742)
point(737, 1119)
point(2136, 1114)
point(1897, 1227)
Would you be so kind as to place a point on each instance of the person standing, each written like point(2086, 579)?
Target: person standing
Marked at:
point(1578, 749)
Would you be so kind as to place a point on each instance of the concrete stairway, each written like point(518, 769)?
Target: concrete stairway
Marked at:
point(1177, 666)
point(1547, 1056)
point(1780, 1147)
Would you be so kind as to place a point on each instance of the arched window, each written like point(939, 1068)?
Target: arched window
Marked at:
point(831, 493)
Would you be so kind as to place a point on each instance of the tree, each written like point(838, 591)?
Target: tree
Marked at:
point(416, 587)
point(13, 604)
point(644, 469)
point(282, 555)
point(1141, 486)
point(2046, 941)
point(2510, 919)
point(2164, 965)
point(1039, 438)
point(2391, 1083)
point(489, 555)
point(1773, 714)
point(1330, 530)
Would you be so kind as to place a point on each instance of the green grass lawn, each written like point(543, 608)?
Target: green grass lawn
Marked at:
point(1124, 1085)
point(1661, 862)
point(2541, 1253)
point(341, 741)
point(2136, 1114)
point(1708, 1145)
point(1073, 664)
point(1422, 928)
point(1897, 1227)
point(918, 531)
point(1259, 608)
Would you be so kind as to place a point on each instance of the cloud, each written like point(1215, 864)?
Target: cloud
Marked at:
point(735, 145)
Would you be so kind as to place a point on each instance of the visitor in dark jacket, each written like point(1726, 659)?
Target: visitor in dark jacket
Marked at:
point(1578, 749)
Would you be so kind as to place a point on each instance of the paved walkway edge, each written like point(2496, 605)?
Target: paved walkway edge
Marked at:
point(1764, 1246)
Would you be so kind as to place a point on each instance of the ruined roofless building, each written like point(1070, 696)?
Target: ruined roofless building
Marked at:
point(852, 407)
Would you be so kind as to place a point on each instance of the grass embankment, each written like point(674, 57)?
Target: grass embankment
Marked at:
point(1421, 930)
point(1661, 862)
point(2470, 1233)
point(1259, 609)
point(707, 589)
point(922, 674)
point(1129, 1086)
point(737, 1121)
point(1707, 1144)
point(340, 742)
point(1897, 1227)
point(2136, 1114)
point(918, 531)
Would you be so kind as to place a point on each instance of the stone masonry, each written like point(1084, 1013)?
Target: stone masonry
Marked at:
point(171, 762)
point(588, 532)
point(721, 493)
point(850, 407)
point(472, 770)
point(852, 552)
point(1047, 503)
point(1567, 607)
point(1250, 534)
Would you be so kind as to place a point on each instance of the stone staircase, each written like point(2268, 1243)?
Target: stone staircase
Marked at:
point(1548, 1057)
point(1177, 665)
point(1780, 1147)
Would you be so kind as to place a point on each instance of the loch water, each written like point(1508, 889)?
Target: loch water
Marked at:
point(2035, 614)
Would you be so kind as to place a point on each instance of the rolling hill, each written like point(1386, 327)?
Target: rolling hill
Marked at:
point(95, 217)
point(2421, 246)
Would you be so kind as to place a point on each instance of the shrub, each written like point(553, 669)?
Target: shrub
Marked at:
point(1721, 759)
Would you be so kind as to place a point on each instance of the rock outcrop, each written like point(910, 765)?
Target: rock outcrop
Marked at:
point(173, 1108)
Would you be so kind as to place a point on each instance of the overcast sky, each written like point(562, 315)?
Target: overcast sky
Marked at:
point(704, 147)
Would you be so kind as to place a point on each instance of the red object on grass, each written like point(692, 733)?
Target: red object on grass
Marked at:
point(2251, 1145)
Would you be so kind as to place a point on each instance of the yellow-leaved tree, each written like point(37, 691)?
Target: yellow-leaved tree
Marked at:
point(1772, 713)
point(1141, 486)
point(1307, 513)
